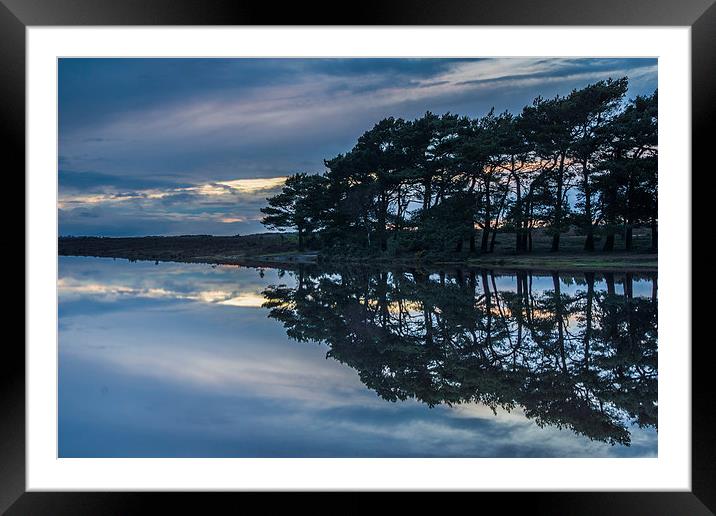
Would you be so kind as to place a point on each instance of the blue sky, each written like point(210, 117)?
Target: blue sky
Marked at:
point(180, 146)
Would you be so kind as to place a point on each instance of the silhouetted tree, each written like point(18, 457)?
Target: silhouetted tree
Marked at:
point(628, 182)
point(300, 205)
point(429, 185)
point(595, 106)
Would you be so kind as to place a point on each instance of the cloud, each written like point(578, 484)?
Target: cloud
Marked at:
point(90, 181)
point(274, 112)
point(206, 208)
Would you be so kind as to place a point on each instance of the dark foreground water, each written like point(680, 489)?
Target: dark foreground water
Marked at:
point(192, 360)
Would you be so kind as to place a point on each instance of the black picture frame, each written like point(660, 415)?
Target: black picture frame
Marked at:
point(16, 15)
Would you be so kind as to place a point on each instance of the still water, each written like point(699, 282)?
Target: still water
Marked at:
point(193, 360)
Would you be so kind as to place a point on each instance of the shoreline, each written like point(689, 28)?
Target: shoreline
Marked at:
point(496, 264)
point(269, 251)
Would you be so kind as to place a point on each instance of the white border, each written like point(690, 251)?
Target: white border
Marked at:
point(672, 468)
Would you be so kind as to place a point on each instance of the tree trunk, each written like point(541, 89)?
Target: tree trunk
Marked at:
point(427, 193)
point(485, 240)
point(558, 206)
point(486, 229)
point(473, 245)
point(381, 221)
point(610, 210)
point(383, 298)
point(555, 242)
point(609, 279)
point(628, 236)
point(560, 320)
point(589, 240)
point(519, 241)
point(488, 308)
point(460, 277)
point(300, 238)
point(399, 215)
point(609, 241)
point(527, 230)
point(422, 280)
point(498, 217)
point(629, 215)
point(654, 235)
point(519, 316)
point(629, 285)
point(589, 276)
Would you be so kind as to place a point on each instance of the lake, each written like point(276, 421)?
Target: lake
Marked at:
point(194, 360)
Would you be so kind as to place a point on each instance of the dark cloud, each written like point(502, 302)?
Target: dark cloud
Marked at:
point(97, 181)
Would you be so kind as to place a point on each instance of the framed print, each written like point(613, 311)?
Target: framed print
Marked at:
point(446, 247)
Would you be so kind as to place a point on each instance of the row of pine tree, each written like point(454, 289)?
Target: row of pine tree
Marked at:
point(449, 183)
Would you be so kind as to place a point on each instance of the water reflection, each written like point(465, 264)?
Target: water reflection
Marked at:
point(181, 360)
point(582, 357)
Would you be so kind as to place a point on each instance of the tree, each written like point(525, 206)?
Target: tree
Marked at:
point(300, 205)
point(478, 155)
point(551, 127)
point(515, 152)
point(428, 185)
point(380, 155)
point(594, 106)
point(628, 183)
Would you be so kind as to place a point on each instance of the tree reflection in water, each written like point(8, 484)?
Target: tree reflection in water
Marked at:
point(584, 360)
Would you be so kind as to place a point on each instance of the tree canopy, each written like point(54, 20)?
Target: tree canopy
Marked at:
point(437, 184)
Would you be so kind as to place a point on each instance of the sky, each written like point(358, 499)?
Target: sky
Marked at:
point(194, 146)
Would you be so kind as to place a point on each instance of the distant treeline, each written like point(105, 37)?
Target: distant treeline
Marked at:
point(451, 183)
point(186, 248)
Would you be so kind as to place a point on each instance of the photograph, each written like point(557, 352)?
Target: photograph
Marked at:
point(427, 246)
point(358, 257)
